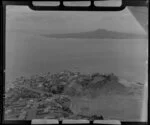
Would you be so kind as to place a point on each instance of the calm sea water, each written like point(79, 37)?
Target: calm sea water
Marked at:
point(33, 54)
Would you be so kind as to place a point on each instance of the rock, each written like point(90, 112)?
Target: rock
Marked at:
point(63, 83)
point(31, 100)
point(57, 89)
point(8, 111)
point(95, 75)
point(53, 91)
point(20, 99)
point(46, 110)
point(67, 109)
point(95, 117)
point(22, 115)
point(96, 83)
point(40, 85)
point(48, 99)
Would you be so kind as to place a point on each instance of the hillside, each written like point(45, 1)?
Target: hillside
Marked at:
point(53, 95)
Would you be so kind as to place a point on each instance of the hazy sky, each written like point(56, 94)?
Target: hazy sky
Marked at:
point(24, 19)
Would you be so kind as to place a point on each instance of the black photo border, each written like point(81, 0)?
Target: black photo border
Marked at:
point(61, 8)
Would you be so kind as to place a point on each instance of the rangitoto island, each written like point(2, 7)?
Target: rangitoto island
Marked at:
point(98, 34)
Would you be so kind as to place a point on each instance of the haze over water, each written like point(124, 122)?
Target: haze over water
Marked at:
point(28, 52)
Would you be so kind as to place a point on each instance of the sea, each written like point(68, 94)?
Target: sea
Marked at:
point(30, 54)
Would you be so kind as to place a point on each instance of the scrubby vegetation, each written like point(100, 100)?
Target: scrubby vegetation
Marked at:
point(49, 95)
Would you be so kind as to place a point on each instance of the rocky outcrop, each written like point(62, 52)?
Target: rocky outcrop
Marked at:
point(49, 95)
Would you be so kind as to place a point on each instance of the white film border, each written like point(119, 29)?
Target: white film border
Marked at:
point(73, 121)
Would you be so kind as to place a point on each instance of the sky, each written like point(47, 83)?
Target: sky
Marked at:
point(25, 19)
